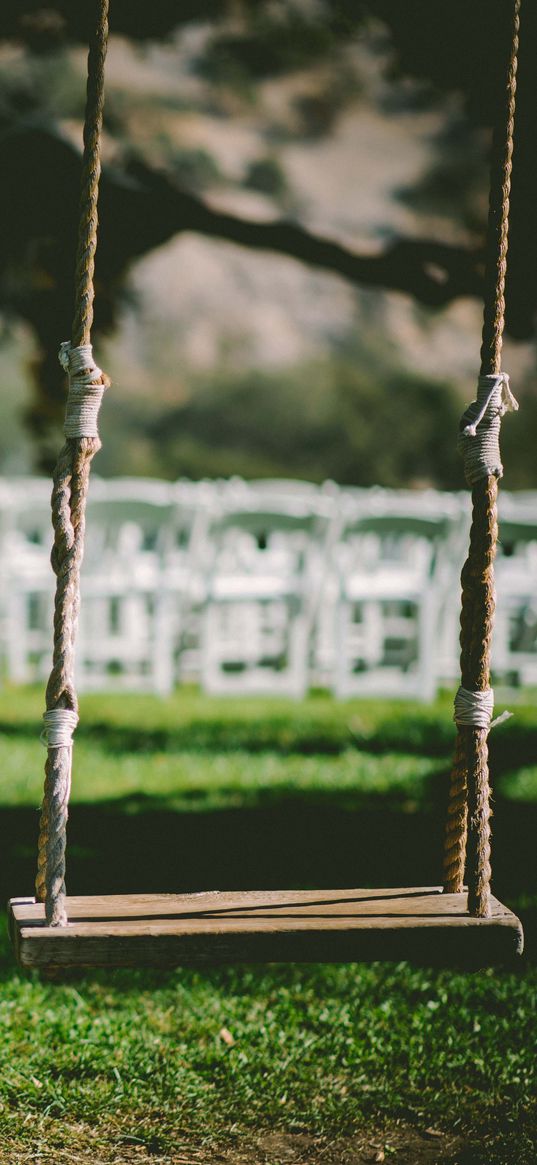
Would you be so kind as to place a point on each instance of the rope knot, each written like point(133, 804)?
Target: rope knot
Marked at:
point(479, 436)
point(60, 724)
point(87, 385)
point(475, 709)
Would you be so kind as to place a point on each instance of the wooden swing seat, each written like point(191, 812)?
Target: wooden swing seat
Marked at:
point(331, 926)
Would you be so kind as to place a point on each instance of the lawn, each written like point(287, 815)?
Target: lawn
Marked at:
point(280, 1063)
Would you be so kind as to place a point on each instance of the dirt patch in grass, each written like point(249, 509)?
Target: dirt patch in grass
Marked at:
point(402, 1145)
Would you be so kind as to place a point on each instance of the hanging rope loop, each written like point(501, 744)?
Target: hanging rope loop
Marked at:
point(87, 385)
point(479, 435)
point(468, 819)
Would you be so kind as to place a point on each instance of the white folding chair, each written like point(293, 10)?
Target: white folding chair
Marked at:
point(514, 648)
point(395, 565)
point(267, 562)
point(185, 570)
point(124, 639)
point(27, 578)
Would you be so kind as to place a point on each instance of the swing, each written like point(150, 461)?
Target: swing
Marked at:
point(446, 923)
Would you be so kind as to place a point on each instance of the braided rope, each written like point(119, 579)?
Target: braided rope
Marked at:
point(498, 228)
point(470, 776)
point(91, 173)
point(69, 493)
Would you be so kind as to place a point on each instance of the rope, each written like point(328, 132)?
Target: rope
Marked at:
point(91, 173)
point(476, 709)
point(468, 825)
point(87, 384)
point(70, 486)
point(479, 436)
point(60, 724)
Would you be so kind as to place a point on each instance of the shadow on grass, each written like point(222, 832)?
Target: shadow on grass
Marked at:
point(213, 735)
point(424, 733)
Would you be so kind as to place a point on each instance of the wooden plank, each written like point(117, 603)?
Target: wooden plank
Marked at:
point(405, 901)
point(264, 926)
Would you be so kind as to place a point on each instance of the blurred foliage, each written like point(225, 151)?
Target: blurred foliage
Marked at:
point(454, 179)
point(275, 39)
point(195, 168)
point(341, 419)
point(356, 418)
point(267, 176)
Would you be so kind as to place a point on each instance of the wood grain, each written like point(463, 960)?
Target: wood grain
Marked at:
point(343, 925)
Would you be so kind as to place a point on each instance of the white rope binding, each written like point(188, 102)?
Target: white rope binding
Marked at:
point(479, 436)
point(85, 395)
point(475, 709)
point(60, 724)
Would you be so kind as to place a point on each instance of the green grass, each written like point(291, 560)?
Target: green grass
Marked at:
point(191, 780)
point(141, 1061)
point(188, 750)
point(317, 1049)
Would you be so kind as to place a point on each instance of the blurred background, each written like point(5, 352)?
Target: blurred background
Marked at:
point(292, 218)
point(288, 299)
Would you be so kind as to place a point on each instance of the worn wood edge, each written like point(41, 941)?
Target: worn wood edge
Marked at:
point(474, 949)
point(14, 930)
point(198, 942)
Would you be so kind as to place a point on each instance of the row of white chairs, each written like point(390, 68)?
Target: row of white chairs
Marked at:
point(264, 587)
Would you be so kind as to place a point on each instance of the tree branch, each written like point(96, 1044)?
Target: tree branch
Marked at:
point(140, 209)
point(432, 272)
